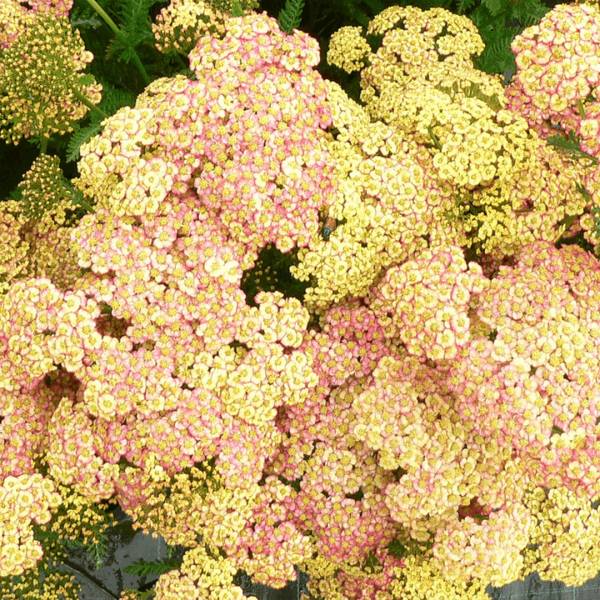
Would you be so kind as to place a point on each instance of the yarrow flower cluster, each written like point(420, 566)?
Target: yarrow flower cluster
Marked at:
point(557, 76)
point(43, 89)
point(418, 421)
point(24, 500)
point(483, 149)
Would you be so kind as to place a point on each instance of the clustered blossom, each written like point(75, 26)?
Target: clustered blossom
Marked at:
point(484, 149)
point(13, 249)
point(425, 302)
point(566, 525)
point(386, 207)
point(43, 89)
point(24, 500)
point(557, 74)
point(36, 230)
point(537, 204)
point(201, 576)
point(182, 23)
point(16, 15)
point(267, 174)
point(422, 423)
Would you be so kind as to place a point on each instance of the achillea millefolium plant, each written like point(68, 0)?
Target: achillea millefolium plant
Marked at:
point(289, 323)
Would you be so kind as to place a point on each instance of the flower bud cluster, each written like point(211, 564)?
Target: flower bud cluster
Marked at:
point(42, 83)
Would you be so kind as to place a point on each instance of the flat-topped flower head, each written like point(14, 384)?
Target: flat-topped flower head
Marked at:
point(42, 80)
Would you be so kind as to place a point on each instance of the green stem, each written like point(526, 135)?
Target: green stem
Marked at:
point(44, 145)
point(85, 100)
point(118, 33)
point(106, 18)
point(89, 577)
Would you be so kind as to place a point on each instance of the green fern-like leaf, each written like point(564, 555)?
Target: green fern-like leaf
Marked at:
point(290, 15)
point(152, 568)
point(80, 136)
point(570, 145)
point(134, 22)
point(112, 100)
point(495, 6)
point(462, 6)
point(528, 12)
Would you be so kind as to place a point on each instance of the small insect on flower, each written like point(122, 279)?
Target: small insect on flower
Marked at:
point(330, 225)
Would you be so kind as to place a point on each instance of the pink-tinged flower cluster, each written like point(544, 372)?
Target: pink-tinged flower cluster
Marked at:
point(424, 302)
point(340, 499)
point(532, 384)
point(24, 417)
point(15, 15)
point(558, 72)
point(56, 7)
point(349, 343)
point(486, 551)
point(247, 138)
point(74, 456)
point(270, 545)
point(28, 318)
point(267, 171)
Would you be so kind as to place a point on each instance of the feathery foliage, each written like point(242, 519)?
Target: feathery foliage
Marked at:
point(135, 24)
point(290, 15)
point(112, 100)
point(151, 568)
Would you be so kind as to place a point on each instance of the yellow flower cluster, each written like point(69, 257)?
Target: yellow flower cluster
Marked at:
point(413, 44)
point(507, 186)
point(386, 206)
point(322, 582)
point(79, 519)
point(348, 49)
point(45, 191)
point(473, 144)
point(47, 203)
point(202, 576)
point(424, 302)
point(35, 232)
point(421, 579)
point(24, 500)
point(14, 250)
point(174, 505)
point(42, 87)
point(32, 585)
point(179, 25)
point(564, 538)
point(536, 202)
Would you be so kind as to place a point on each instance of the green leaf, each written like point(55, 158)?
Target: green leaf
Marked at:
point(495, 6)
point(81, 136)
point(143, 568)
point(462, 6)
point(135, 23)
point(290, 15)
point(570, 145)
point(528, 12)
